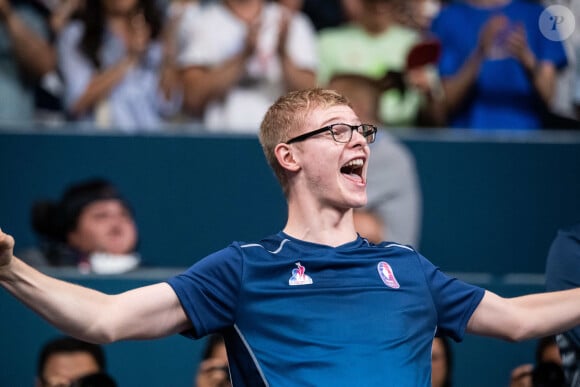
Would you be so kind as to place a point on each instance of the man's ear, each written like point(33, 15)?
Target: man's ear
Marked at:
point(285, 155)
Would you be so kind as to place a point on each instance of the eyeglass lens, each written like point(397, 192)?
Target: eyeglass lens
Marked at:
point(343, 132)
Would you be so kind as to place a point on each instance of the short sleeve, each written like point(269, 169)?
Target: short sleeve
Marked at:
point(454, 300)
point(208, 291)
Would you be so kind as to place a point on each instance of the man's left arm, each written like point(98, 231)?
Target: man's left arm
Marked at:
point(526, 317)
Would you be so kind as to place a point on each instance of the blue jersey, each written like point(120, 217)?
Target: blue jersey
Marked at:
point(295, 313)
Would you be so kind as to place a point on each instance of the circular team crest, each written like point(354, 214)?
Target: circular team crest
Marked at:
point(387, 275)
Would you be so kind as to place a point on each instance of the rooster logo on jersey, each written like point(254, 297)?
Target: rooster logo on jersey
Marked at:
point(298, 276)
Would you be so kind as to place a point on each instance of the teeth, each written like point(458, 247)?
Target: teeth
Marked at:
point(355, 163)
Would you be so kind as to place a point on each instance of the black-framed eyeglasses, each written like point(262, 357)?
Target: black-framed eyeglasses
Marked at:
point(341, 133)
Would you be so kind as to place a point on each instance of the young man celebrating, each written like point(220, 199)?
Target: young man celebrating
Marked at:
point(314, 304)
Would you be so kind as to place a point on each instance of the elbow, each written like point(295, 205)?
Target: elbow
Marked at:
point(519, 332)
point(98, 334)
point(104, 329)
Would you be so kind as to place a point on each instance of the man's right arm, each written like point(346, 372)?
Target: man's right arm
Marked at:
point(142, 313)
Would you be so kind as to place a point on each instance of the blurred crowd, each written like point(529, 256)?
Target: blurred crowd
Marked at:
point(151, 65)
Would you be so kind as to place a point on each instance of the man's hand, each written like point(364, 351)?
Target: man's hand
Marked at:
point(6, 249)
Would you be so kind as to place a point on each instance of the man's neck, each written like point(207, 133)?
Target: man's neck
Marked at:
point(326, 226)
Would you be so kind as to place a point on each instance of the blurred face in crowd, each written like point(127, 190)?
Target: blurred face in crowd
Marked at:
point(61, 369)
point(438, 363)
point(552, 354)
point(105, 226)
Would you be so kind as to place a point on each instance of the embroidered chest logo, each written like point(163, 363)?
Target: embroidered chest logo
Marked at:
point(387, 275)
point(299, 277)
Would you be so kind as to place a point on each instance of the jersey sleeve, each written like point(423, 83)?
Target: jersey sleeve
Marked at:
point(454, 300)
point(208, 291)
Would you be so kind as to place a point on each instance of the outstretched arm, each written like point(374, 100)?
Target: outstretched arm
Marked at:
point(143, 313)
point(526, 317)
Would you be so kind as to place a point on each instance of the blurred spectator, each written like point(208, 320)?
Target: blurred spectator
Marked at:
point(114, 69)
point(25, 57)
point(213, 371)
point(376, 45)
point(441, 362)
point(563, 272)
point(91, 227)
point(180, 28)
point(547, 370)
point(393, 189)
point(262, 50)
point(63, 360)
point(498, 70)
point(49, 91)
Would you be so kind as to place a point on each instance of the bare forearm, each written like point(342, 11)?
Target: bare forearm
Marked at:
point(550, 313)
point(143, 313)
point(433, 112)
point(543, 77)
point(101, 85)
point(33, 51)
point(58, 302)
point(457, 86)
point(296, 78)
point(205, 84)
point(526, 317)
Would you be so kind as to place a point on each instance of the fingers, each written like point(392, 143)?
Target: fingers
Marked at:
point(6, 248)
point(490, 31)
point(516, 39)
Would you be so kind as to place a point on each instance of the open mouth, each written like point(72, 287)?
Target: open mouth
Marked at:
point(353, 169)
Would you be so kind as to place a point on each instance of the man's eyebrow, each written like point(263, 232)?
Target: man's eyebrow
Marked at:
point(334, 120)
